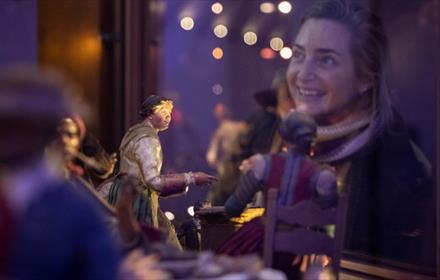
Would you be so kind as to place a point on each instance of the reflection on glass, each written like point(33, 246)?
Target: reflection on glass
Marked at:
point(220, 31)
point(217, 89)
point(217, 53)
point(187, 23)
point(267, 53)
point(246, 70)
point(250, 38)
point(276, 43)
point(217, 8)
point(284, 7)
point(267, 7)
point(286, 53)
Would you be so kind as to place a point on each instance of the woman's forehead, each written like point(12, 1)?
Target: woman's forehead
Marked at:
point(323, 34)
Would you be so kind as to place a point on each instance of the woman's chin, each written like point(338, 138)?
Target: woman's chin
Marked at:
point(310, 110)
point(320, 116)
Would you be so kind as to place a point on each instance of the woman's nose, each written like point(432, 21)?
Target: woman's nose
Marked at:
point(306, 71)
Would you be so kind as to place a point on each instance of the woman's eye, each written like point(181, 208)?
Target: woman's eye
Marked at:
point(327, 61)
point(297, 55)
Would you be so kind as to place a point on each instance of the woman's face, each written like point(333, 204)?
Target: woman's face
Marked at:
point(321, 74)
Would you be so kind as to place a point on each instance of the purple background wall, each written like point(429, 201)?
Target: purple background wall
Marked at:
point(18, 32)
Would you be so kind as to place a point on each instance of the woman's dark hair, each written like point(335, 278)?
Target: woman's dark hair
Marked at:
point(368, 46)
point(150, 103)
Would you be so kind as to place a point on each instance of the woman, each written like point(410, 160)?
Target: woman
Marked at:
point(337, 75)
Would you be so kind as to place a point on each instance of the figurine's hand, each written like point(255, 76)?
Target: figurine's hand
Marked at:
point(245, 166)
point(201, 178)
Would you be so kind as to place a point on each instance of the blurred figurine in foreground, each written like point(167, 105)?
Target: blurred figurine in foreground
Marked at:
point(83, 153)
point(66, 158)
point(55, 228)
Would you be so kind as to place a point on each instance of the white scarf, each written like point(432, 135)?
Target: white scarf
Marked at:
point(342, 129)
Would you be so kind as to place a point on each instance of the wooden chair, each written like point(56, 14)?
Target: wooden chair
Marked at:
point(302, 238)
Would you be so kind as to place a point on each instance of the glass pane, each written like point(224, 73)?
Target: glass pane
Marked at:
point(392, 199)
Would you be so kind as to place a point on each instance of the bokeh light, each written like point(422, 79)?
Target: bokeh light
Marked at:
point(267, 7)
point(267, 53)
point(284, 7)
point(177, 116)
point(187, 23)
point(217, 89)
point(220, 31)
point(217, 53)
point(276, 43)
point(286, 53)
point(250, 38)
point(217, 8)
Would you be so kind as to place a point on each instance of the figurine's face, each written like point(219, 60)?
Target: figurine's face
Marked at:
point(161, 117)
point(70, 137)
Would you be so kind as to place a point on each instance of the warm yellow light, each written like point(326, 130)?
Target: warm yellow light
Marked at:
point(217, 8)
point(286, 53)
point(85, 49)
point(276, 43)
point(267, 7)
point(250, 38)
point(217, 53)
point(220, 31)
point(285, 7)
point(187, 23)
point(90, 46)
